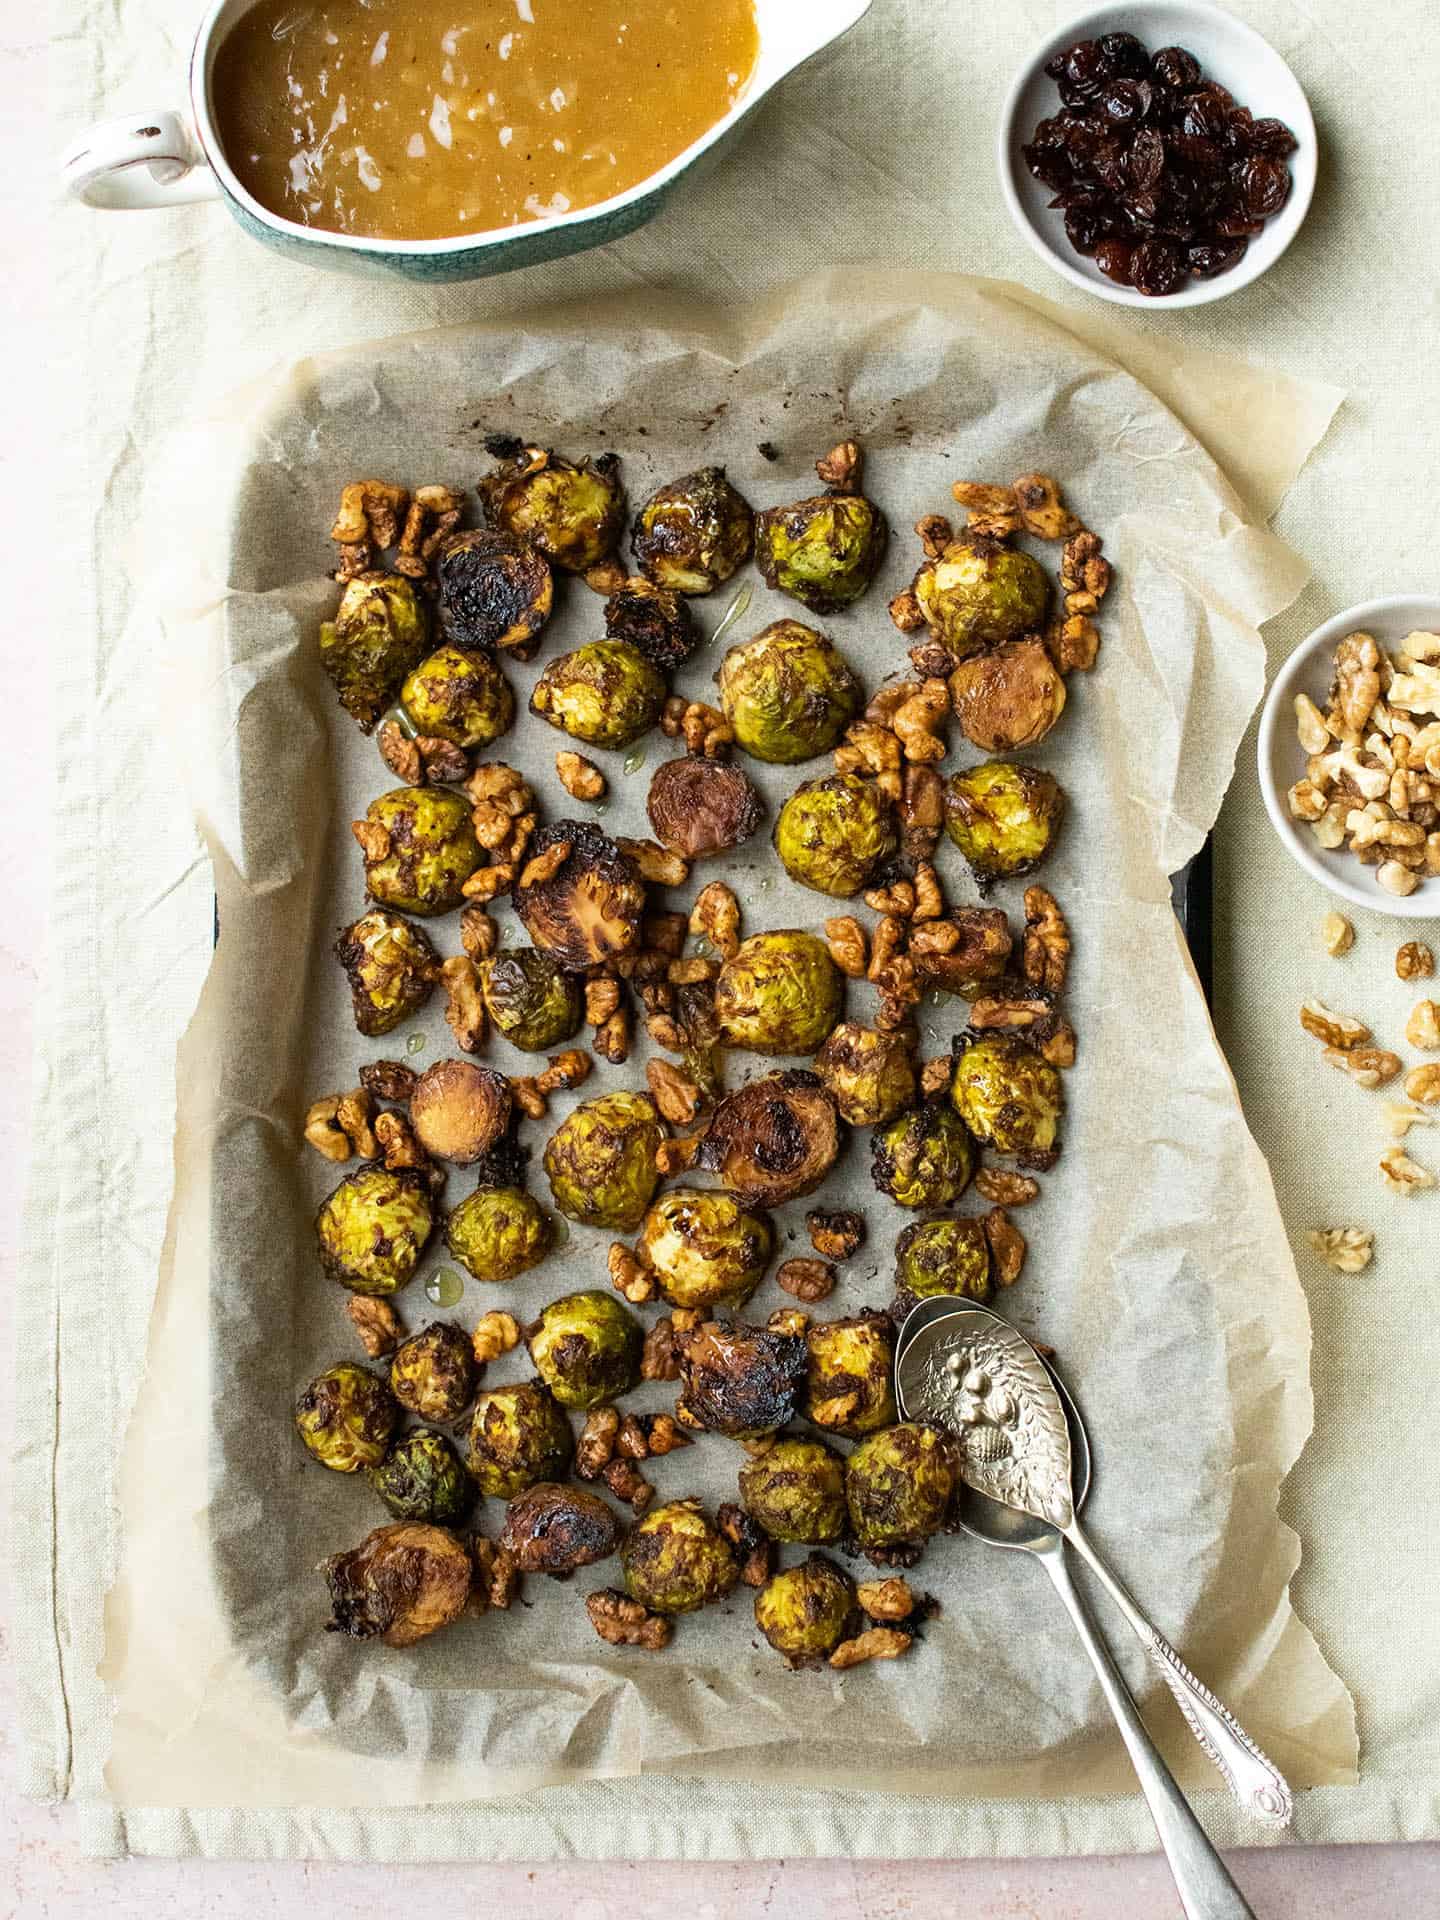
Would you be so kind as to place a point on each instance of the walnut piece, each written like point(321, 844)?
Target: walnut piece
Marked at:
point(1046, 951)
point(1356, 686)
point(1336, 934)
point(807, 1280)
point(656, 864)
point(1042, 512)
point(922, 814)
point(1007, 1246)
point(624, 1622)
point(1335, 1029)
point(876, 1643)
point(659, 1359)
point(1422, 1029)
point(898, 898)
point(596, 1446)
point(464, 1008)
point(612, 1037)
point(1004, 1188)
point(629, 1276)
point(545, 865)
point(917, 722)
point(887, 1601)
point(388, 1080)
point(497, 1577)
point(1414, 961)
point(602, 997)
point(397, 1143)
point(566, 1070)
point(497, 1332)
point(716, 917)
point(937, 1073)
point(1422, 1085)
point(1401, 1115)
point(675, 1094)
point(674, 1156)
point(754, 1548)
point(324, 1131)
point(581, 778)
point(835, 1233)
point(846, 940)
point(376, 1323)
point(1346, 1249)
point(1366, 1066)
point(1402, 1175)
point(627, 1483)
point(664, 1436)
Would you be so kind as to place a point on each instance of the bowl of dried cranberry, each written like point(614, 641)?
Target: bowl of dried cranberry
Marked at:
point(1158, 155)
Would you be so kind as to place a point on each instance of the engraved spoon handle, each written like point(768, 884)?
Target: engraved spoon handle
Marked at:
point(1255, 1781)
point(1205, 1888)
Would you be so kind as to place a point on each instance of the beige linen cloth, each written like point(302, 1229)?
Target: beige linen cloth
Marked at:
point(889, 135)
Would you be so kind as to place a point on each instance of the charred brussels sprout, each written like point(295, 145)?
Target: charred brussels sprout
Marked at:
point(796, 1491)
point(1009, 697)
point(420, 848)
point(978, 594)
point(495, 591)
point(739, 1380)
point(924, 1158)
point(401, 1583)
point(653, 620)
point(605, 693)
point(694, 533)
point(705, 1249)
point(600, 1160)
point(806, 1611)
point(586, 1348)
point(458, 696)
point(823, 552)
point(589, 909)
point(392, 969)
point(459, 1110)
point(773, 1140)
point(433, 1373)
point(554, 1529)
point(498, 1233)
point(532, 1001)
point(898, 1487)
point(374, 1227)
point(788, 693)
point(1009, 1098)
point(421, 1478)
point(848, 1383)
point(700, 807)
point(376, 637)
point(779, 993)
point(978, 955)
point(518, 1437)
point(676, 1561)
point(832, 834)
point(1003, 817)
point(346, 1417)
point(869, 1075)
point(938, 1257)
point(573, 515)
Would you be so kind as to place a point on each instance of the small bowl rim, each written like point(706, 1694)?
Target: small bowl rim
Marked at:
point(1196, 293)
point(1366, 615)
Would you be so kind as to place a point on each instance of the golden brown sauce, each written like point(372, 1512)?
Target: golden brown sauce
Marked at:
point(424, 119)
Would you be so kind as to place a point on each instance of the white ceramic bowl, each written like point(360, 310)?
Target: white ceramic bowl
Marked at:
point(1282, 758)
point(1229, 52)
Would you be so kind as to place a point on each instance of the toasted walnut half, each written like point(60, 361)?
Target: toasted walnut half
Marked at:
point(1346, 1249)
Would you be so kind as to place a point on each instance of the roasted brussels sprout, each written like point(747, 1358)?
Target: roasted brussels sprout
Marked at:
point(676, 1561)
point(498, 1233)
point(586, 1348)
point(694, 533)
point(420, 848)
point(978, 957)
point(550, 1528)
point(433, 1373)
point(519, 1436)
point(495, 591)
point(392, 969)
point(924, 1158)
point(600, 1160)
point(780, 992)
point(421, 1478)
point(739, 1380)
point(699, 807)
point(574, 515)
point(589, 910)
point(978, 594)
point(378, 634)
point(832, 834)
point(796, 1490)
point(824, 551)
point(374, 1227)
point(806, 1611)
point(1009, 1098)
point(947, 1255)
point(1003, 817)
point(401, 1583)
point(773, 1140)
point(459, 696)
point(1008, 697)
point(898, 1487)
point(704, 1248)
point(530, 998)
point(653, 620)
point(788, 693)
point(346, 1417)
point(459, 1110)
point(605, 693)
point(848, 1380)
point(869, 1075)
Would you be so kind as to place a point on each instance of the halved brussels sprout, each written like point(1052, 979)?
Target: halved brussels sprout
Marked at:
point(739, 1380)
point(459, 1110)
point(653, 620)
point(925, 1158)
point(789, 693)
point(400, 1584)
point(374, 1227)
point(693, 533)
point(518, 1437)
point(589, 910)
point(699, 807)
point(421, 1478)
point(458, 696)
point(796, 1491)
point(1008, 697)
point(978, 593)
point(392, 969)
point(806, 1611)
point(498, 1233)
point(1009, 1098)
point(530, 998)
point(869, 1074)
point(378, 634)
point(586, 1348)
point(346, 1417)
point(848, 1386)
point(824, 551)
point(495, 591)
point(676, 1561)
point(780, 992)
point(605, 693)
point(832, 834)
point(420, 848)
point(978, 956)
point(432, 1373)
point(600, 1160)
point(704, 1248)
point(944, 1256)
point(550, 1528)
point(1003, 817)
point(574, 515)
point(898, 1487)
point(773, 1140)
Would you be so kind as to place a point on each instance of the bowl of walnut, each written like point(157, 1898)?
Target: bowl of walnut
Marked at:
point(1350, 755)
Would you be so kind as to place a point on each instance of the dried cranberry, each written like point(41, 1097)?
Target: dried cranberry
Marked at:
point(1125, 103)
point(1205, 117)
point(1124, 55)
point(1272, 138)
point(1175, 68)
point(1233, 225)
point(1084, 228)
point(1049, 166)
point(1196, 154)
point(1109, 167)
point(1147, 158)
point(1264, 185)
point(1215, 257)
point(1084, 73)
point(1113, 258)
point(1055, 66)
point(1157, 269)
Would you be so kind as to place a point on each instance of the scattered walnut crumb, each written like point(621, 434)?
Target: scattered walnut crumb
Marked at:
point(388, 1080)
point(1422, 1029)
point(1006, 1189)
point(835, 1233)
point(625, 1623)
point(581, 778)
point(1337, 934)
point(1338, 1030)
point(807, 1280)
point(596, 1446)
point(876, 1643)
point(1402, 1175)
point(376, 1323)
point(629, 1276)
point(496, 1333)
point(1366, 1066)
point(1346, 1249)
point(1414, 961)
